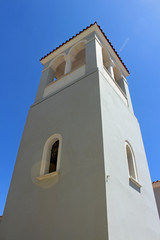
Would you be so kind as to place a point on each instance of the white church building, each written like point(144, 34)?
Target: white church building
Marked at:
point(81, 171)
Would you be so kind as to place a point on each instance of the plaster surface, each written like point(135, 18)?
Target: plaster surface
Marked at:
point(92, 196)
point(131, 210)
point(71, 205)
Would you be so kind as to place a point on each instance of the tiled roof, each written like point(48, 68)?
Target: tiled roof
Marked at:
point(156, 181)
point(79, 34)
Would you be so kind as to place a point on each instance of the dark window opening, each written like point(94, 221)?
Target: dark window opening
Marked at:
point(54, 155)
point(130, 158)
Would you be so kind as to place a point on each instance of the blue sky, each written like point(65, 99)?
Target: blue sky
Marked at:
point(30, 29)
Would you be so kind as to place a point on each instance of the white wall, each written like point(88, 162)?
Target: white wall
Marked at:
point(81, 202)
point(132, 212)
point(72, 205)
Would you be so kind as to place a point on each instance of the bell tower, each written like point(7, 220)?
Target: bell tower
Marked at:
point(81, 170)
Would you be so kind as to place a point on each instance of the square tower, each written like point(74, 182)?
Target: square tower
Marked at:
point(81, 170)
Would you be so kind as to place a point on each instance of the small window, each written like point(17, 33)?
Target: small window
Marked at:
point(53, 158)
point(131, 162)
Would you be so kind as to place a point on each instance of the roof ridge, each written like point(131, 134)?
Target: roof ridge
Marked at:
point(79, 34)
point(69, 40)
point(112, 47)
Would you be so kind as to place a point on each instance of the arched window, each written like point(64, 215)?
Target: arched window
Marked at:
point(58, 66)
point(51, 155)
point(53, 158)
point(78, 55)
point(131, 162)
point(79, 59)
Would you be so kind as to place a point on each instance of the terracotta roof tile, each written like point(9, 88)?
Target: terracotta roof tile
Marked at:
point(67, 41)
point(156, 181)
point(79, 34)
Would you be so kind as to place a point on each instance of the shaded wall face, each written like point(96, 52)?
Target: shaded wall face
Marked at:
point(72, 205)
point(157, 197)
point(131, 210)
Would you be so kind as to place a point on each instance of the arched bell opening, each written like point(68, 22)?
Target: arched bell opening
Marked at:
point(58, 66)
point(77, 54)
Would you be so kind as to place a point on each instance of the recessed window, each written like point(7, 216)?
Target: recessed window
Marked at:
point(50, 164)
point(58, 66)
point(53, 158)
point(60, 70)
point(131, 162)
point(77, 54)
point(79, 60)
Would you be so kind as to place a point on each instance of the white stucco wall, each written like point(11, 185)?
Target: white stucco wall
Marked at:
point(132, 212)
point(92, 197)
point(71, 205)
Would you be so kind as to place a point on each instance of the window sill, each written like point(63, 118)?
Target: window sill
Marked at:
point(47, 176)
point(135, 182)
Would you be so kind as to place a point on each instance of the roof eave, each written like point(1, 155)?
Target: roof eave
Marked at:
point(81, 35)
point(66, 44)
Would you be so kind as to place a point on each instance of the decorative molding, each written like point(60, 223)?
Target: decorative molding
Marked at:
point(46, 153)
point(133, 162)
